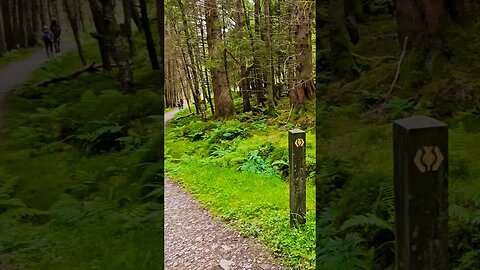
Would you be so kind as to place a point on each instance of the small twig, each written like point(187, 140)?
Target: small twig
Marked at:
point(289, 114)
point(394, 82)
point(398, 70)
point(233, 57)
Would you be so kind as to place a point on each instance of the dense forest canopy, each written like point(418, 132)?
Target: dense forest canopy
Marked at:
point(261, 50)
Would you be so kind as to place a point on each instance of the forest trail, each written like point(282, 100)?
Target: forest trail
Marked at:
point(16, 73)
point(194, 239)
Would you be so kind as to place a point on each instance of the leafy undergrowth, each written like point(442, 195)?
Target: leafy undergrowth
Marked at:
point(238, 168)
point(355, 198)
point(80, 176)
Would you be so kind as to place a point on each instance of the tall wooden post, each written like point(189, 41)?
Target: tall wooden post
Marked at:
point(420, 149)
point(297, 166)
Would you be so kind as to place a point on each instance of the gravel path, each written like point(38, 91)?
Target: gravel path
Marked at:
point(194, 239)
point(16, 73)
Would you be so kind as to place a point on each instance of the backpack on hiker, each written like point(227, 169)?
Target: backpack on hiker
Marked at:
point(47, 36)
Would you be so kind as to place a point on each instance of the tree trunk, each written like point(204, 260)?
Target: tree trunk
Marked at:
point(16, 24)
point(209, 94)
point(81, 15)
point(8, 26)
point(148, 36)
point(100, 27)
point(22, 23)
point(269, 67)
point(73, 19)
point(136, 16)
point(127, 25)
point(36, 23)
point(161, 32)
point(112, 37)
point(421, 21)
point(196, 92)
point(341, 55)
point(223, 100)
point(304, 88)
point(242, 69)
point(256, 62)
point(43, 19)
point(3, 42)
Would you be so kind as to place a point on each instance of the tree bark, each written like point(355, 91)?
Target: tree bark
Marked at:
point(112, 38)
point(304, 88)
point(243, 84)
point(96, 11)
point(421, 21)
point(152, 53)
point(256, 62)
point(72, 17)
point(8, 26)
point(223, 100)
point(3, 42)
point(36, 23)
point(188, 41)
point(269, 74)
point(341, 55)
point(205, 68)
point(127, 25)
point(136, 16)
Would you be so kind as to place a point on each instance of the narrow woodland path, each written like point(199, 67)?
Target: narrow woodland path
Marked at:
point(194, 239)
point(16, 73)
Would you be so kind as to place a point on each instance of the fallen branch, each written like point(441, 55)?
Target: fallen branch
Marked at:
point(90, 69)
point(181, 117)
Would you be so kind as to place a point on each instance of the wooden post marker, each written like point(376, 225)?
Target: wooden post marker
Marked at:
point(420, 150)
point(297, 166)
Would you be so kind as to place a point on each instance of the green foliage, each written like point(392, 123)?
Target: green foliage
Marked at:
point(237, 168)
point(80, 177)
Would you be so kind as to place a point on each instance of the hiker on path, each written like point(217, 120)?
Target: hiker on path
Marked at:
point(47, 37)
point(181, 104)
point(57, 31)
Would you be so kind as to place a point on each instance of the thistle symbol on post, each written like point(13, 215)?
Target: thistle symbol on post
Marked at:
point(428, 158)
point(299, 142)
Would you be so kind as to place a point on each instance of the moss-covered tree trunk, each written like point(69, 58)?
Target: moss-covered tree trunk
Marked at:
point(222, 97)
point(341, 56)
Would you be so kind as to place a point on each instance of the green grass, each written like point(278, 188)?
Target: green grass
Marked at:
point(238, 169)
point(16, 55)
point(169, 109)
